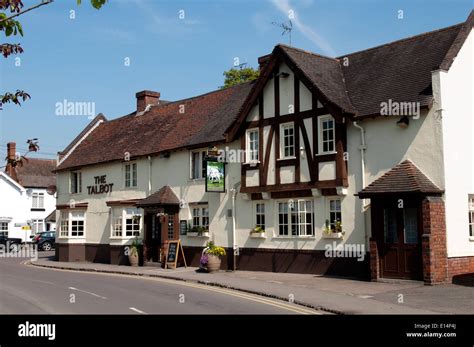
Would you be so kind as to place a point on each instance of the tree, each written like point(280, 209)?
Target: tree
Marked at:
point(236, 76)
point(11, 26)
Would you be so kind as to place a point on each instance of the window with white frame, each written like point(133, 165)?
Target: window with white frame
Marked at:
point(76, 182)
point(37, 200)
point(64, 224)
point(200, 216)
point(296, 218)
point(198, 164)
point(252, 145)
point(287, 140)
point(37, 225)
point(326, 134)
point(335, 214)
point(471, 215)
point(4, 229)
point(130, 175)
point(72, 223)
point(125, 222)
point(260, 215)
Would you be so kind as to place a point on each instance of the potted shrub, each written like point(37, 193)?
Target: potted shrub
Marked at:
point(257, 232)
point(192, 231)
point(203, 232)
point(333, 233)
point(134, 252)
point(214, 254)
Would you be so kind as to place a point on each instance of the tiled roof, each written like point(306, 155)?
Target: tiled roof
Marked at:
point(180, 124)
point(325, 73)
point(400, 70)
point(165, 196)
point(403, 178)
point(36, 173)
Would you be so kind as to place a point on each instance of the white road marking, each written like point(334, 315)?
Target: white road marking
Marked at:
point(137, 310)
point(86, 292)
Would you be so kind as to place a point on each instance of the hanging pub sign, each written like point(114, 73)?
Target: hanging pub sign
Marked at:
point(215, 176)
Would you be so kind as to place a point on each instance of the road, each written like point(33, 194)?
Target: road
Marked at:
point(25, 289)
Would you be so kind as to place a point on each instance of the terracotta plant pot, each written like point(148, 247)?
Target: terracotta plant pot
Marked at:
point(133, 259)
point(213, 263)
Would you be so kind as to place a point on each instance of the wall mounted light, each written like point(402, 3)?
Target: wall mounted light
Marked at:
point(302, 153)
point(403, 122)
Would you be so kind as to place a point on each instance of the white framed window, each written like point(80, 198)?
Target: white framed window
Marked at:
point(4, 228)
point(197, 164)
point(37, 200)
point(130, 175)
point(126, 222)
point(200, 215)
point(75, 182)
point(72, 223)
point(335, 212)
point(326, 134)
point(252, 145)
point(260, 215)
point(471, 215)
point(287, 140)
point(296, 218)
point(37, 225)
point(64, 224)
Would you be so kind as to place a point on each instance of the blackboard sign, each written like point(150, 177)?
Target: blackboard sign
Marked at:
point(183, 227)
point(175, 249)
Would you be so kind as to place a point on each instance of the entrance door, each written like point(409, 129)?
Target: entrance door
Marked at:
point(152, 237)
point(400, 241)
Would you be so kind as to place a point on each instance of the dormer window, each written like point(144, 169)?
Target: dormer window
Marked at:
point(252, 145)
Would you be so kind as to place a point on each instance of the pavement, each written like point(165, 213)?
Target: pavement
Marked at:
point(328, 294)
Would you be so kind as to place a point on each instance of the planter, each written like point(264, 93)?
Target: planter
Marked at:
point(133, 259)
point(192, 234)
point(213, 263)
point(206, 234)
point(258, 235)
point(333, 236)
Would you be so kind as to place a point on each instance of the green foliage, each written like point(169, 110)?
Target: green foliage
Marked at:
point(97, 4)
point(236, 76)
point(13, 97)
point(258, 230)
point(198, 229)
point(212, 249)
point(135, 247)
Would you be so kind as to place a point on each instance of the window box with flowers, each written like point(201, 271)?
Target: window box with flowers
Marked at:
point(257, 233)
point(211, 257)
point(197, 231)
point(333, 231)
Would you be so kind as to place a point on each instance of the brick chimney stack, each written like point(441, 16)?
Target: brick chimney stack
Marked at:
point(145, 98)
point(11, 156)
point(263, 60)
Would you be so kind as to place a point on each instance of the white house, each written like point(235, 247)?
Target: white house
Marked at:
point(360, 165)
point(26, 195)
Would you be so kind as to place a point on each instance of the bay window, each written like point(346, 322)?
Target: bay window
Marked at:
point(4, 229)
point(72, 223)
point(126, 222)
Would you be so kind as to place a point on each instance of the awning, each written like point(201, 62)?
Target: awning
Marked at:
point(405, 178)
point(164, 196)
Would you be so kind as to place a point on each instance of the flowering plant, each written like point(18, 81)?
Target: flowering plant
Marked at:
point(204, 260)
point(212, 249)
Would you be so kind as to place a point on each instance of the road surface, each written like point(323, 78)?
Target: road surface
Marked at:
point(25, 289)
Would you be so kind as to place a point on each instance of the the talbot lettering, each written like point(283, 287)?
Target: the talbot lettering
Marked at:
point(100, 186)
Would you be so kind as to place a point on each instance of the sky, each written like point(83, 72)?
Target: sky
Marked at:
point(178, 48)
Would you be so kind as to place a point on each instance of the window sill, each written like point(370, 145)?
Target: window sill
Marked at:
point(203, 235)
point(258, 235)
point(302, 237)
point(333, 236)
point(252, 163)
point(286, 158)
point(325, 153)
point(34, 209)
point(471, 238)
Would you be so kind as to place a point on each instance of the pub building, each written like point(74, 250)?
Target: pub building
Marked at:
point(360, 166)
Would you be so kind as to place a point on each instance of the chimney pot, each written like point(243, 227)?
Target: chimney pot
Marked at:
point(145, 98)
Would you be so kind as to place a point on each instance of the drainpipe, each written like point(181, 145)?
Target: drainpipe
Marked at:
point(233, 190)
point(149, 175)
point(362, 148)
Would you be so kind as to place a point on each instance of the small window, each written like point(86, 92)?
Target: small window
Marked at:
point(37, 226)
point(287, 140)
point(198, 165)
point(252, 145)
point(37, 200)
point(130, 175)
point(200, 216)
point(471, 215)
point(4, 229)
point(260, 215)
point(170, 227)
point(326, 135)
point(76, 182)
point(117, 223)
point(77, 223)
point(64, 224)
point(335, 214)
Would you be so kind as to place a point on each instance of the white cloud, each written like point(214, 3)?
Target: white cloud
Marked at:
point(285, 7)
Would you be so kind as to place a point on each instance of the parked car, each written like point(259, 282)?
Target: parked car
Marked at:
point(13, 244)
point(45, 240)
